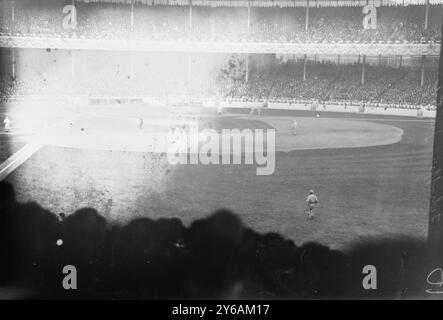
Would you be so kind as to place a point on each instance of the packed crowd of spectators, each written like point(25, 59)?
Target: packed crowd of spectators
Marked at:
point(103, 21)
point(6, 89)
point(113, 21)
point(326, 81)
point(215, 257)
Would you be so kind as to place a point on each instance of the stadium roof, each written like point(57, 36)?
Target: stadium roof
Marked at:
point(272, 3)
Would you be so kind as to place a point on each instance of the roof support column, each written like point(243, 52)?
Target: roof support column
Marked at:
point(363, 70)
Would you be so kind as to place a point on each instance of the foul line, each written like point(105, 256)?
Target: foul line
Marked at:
point(14, 161)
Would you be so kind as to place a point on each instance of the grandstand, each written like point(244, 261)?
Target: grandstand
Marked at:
point(402, 46)
point(251, 21)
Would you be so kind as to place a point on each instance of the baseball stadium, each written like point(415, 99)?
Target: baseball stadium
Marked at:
point(90, 91)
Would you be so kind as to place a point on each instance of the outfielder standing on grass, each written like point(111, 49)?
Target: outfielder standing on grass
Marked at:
point(311, 201)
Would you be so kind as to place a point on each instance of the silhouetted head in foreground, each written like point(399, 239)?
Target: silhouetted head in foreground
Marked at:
point(215, 257)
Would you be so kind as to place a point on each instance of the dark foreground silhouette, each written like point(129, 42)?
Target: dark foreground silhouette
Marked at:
point(216, 257)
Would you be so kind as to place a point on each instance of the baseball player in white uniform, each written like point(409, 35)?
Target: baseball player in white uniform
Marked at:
point(255, 109)
point(7, 123)
point(311, 201)
point(294, 127)
point(219, 109)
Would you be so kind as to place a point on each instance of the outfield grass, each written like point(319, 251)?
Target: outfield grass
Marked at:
point(363, 191)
